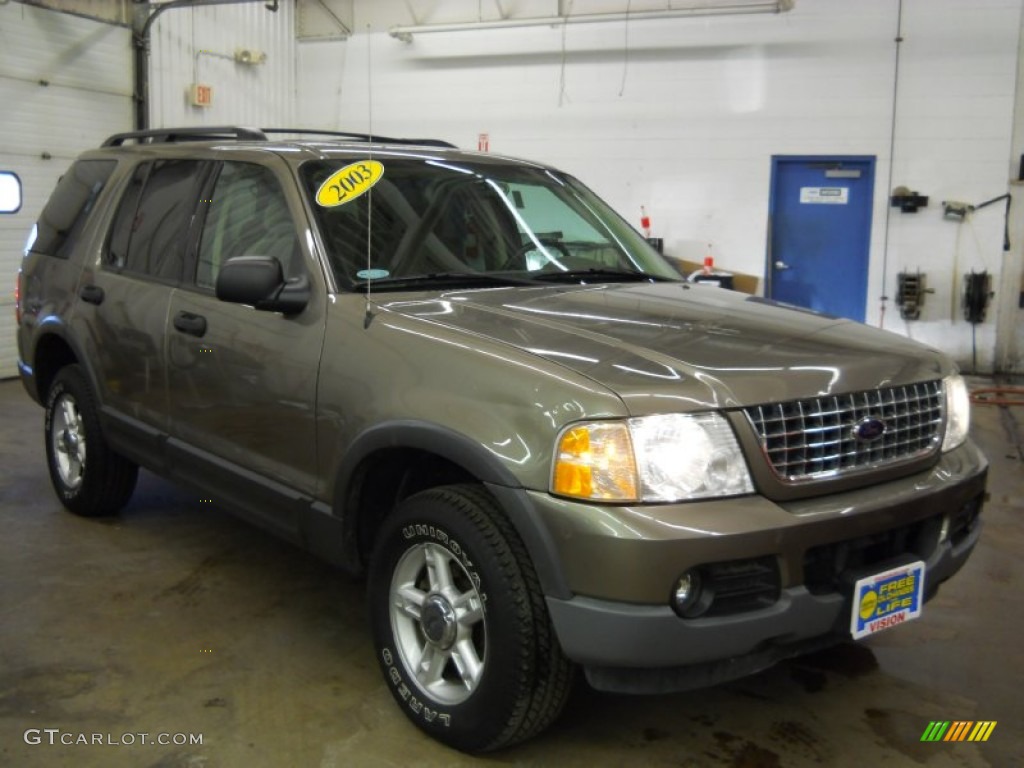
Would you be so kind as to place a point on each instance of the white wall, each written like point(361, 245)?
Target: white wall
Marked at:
point(683, 116)
point(253, 95)
point(1010, 341)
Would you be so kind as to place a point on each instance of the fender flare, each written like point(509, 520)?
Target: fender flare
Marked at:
point(58, 328)
point(475, 459)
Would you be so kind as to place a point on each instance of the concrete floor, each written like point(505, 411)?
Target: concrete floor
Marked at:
point(177, 618)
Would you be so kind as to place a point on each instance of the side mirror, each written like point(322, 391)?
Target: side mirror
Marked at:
point(259, 281)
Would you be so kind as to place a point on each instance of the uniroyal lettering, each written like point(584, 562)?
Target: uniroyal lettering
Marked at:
point(425, 530)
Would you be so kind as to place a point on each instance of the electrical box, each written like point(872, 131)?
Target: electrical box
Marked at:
point(977, 293)
point(200, 95)
point(910, 294)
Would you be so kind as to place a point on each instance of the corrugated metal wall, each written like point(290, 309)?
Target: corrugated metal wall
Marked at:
point(65, 84)
point(200, 43)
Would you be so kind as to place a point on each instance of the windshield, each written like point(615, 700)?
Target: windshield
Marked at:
point(431, 220)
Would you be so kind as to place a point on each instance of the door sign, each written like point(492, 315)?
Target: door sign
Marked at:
point(825, 195)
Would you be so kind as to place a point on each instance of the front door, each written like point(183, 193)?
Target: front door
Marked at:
point(242, 382)
point(820, 232)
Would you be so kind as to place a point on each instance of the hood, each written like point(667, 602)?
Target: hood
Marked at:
point(680, 346)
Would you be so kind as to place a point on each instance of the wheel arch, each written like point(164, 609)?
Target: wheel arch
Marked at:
point(392, 461)
point(52, 352)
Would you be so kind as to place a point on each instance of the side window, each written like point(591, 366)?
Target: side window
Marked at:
point(248, 216)
point(150, 228)
point(124, 220)
point(68, 209)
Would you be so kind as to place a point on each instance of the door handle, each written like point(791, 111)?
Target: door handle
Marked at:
point(780, 265)
point(92, 294)
point(194, 325)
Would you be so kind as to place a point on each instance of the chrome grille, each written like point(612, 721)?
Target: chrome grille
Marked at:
point(825, 437)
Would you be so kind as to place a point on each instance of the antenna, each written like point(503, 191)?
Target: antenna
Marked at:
point(369, 194)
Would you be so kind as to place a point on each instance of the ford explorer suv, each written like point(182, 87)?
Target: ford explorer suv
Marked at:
point(467, 378)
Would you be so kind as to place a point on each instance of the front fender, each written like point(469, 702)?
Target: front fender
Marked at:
point(474, 459)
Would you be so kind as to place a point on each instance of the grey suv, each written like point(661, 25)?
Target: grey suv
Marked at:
point(469, 379)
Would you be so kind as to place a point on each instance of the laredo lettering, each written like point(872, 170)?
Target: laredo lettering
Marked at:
point(417, 706)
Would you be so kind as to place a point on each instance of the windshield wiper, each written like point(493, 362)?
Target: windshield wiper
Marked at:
point(442, 279)
point(602, 274)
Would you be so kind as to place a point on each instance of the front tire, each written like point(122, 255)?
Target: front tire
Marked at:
point(89, 478)
point(460, 626)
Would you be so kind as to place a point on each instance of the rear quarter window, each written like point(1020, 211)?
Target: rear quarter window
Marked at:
point(68, 209)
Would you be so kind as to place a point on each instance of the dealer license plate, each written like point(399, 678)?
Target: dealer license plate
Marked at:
point(887, 599)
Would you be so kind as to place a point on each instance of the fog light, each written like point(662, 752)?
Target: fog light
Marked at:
point(687, 593)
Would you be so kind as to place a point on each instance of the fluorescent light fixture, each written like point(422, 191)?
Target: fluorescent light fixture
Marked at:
point(707, 8)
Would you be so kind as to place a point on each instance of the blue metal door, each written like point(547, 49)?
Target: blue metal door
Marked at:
point(819, 232)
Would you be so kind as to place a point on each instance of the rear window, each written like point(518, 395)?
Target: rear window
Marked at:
point(64, 216)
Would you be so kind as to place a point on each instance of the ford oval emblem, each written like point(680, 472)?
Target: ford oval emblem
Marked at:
point(869, 429)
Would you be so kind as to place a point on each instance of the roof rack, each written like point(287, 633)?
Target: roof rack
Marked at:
point(194, 133)
point(373, 137)
point(208, 133)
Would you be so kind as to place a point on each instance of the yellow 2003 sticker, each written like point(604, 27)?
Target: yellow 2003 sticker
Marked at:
point(350, 182)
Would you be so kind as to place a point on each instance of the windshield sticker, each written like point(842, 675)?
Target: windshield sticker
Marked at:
point(350, 182)
point(372, 274)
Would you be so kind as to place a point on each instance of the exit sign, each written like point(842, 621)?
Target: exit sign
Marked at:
point(201, 95)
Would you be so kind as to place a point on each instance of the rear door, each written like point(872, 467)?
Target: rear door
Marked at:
point(820, 233)
point(242, 382)
point(121, 316)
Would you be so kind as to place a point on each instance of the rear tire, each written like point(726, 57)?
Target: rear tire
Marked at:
point(460, 625)
point(88, 477)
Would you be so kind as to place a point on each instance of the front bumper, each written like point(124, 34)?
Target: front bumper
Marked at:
point(621, 564)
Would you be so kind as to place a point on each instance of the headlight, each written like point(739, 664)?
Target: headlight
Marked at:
point(958, 412)
point(671, 457)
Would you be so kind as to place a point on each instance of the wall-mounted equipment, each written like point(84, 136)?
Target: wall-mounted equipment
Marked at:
point(977, 294)
point(250, 56)
point(907, 201)
point(910, 294)
point(956, 209)
point(200, 95)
